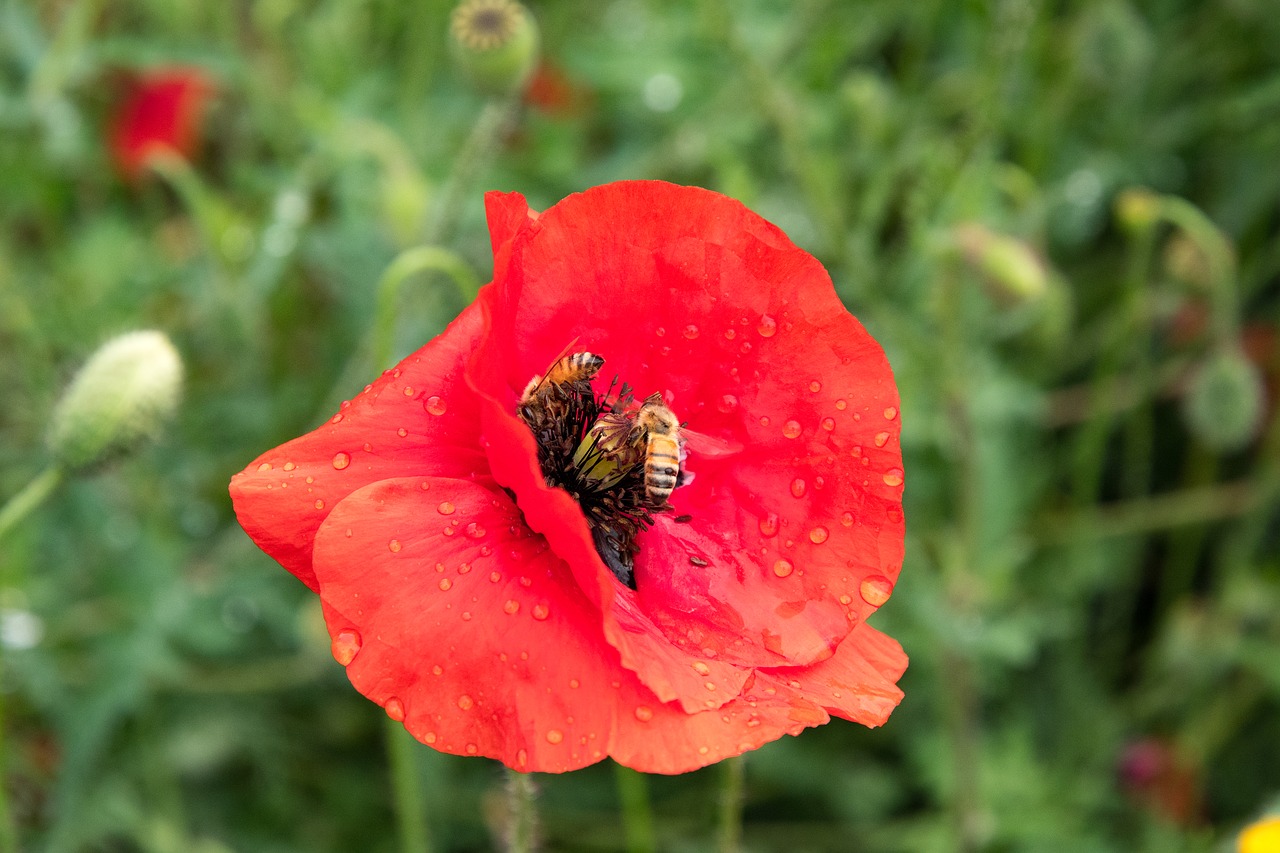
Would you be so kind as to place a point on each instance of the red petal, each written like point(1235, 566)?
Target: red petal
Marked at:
point(472, 632)
point(688, 293)
point(284, 496)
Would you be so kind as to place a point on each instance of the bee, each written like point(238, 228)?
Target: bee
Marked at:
point(573, 368)
point(663, 446)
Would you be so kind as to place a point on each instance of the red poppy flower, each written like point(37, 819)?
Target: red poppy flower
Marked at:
point(468, 598)
point(160, 114)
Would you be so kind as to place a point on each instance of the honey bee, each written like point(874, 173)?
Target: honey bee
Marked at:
point(572, 368)
point(661, 432)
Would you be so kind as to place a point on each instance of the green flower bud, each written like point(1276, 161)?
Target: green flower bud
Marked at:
point(119, 399)
point(1223, 405)
point(495, 43)
point(1012, 271)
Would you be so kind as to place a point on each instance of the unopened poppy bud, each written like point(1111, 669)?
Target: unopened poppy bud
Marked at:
point(1012, 271)
point(495, 43)
point(120, 398)
point(1137, 209)
point(1224, 402)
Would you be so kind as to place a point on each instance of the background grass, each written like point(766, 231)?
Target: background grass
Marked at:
point(1092, 586)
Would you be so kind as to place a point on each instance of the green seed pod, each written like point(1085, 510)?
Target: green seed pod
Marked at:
point(1223, 405)
point(1012, 271)
point(119, 399)
point(495, 43)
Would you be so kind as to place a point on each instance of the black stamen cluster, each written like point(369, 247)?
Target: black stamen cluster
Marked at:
point(561, 416)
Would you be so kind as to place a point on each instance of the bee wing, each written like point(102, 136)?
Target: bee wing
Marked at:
point(706, 446)
point(536, 383)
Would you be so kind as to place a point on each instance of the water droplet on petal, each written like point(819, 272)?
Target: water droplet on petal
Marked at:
point(815, 386)
point(829, 424)
point(875, 590)
point(402, 432)
point(472, 749)
point(701, 668)
point(341, 460)
point(522, 758)
point(847, 519)
point(395, 709)
point(394, 546)
point(475, 531)
point(319, 504)
point(644, 713)
point(846, 599)
point(894, 514)
point(791, 429)
point(690, 331)
point(495, 576)
point(764, 420)
point(540, 612)
point(555, 736)
point(345, 646)
point(890, 413)
point(767, 327)
point(769, 526)
point(511, 607)
point(818, 535)
point(727, 403)
point(435, 405)
point(882, 438)
point(336, 419)
point(893, 477)
point(408, 390)
point(782, 568)
point(730, 334)
point(445, 508)
point(799, 487)
point(437, 670)
point(465, 702)
point(445, 584)
point(841, 404)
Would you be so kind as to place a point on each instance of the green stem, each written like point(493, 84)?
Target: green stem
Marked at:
point(522, 813)
point(1198, 505)
point(406, 789)
point(474, 158)
point(733, 773)
point(32, 495)
point(405, 265)
point(637, 816)
point(1220, 258)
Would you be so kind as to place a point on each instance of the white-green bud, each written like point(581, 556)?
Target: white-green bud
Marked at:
point(1224, 402)
point(121, 397)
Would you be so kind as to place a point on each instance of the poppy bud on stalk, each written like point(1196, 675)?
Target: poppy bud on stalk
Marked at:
point(120, 398)
point(1012, 271)
point(1224, 402)
point(495, 43)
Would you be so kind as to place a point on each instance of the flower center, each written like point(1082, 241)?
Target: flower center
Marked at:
point(619, 459)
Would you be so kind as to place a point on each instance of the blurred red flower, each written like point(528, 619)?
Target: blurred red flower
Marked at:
point(467, 597)
point(160, 113)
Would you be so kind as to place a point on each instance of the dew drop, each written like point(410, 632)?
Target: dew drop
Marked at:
point(727, 403)
point(402, 432)
point(767, 327)
point(435, 405)
point(841, 405)
point(445, 508)
point(690, 332)
point(829, 424)
point(437, 670)
point(555, 736)
point(701, 668)
point(819, 482)
point(445, 584)
point(745, 348)
point(345, 646)
point(522, 758)
point(644, 713)
point(336, 419)
point(341, 460)
point(395, 709)
point(890, 413)
point(893, 477)
point(882, 438)
point(815, 386)
point(791, 429)
point(703, 750)
point(875, 590)
point(730, 334)
point(847, 519)
point(782, 568)
point(465, 702)
point(818, 535)
point(764, 420)
point(289, 466)
point(394, 546)
point(472, 749)
point(575, 683)
point(429, 737)
point(769, 526)
point(540, 612)
point(799, 487)
point(511, 607)
point(466, 616)
point(710, 685)
point(475, 531)
point(495, 576)
point(319, 504)
point(408, 390)
point(846, 599)
point(895, 514)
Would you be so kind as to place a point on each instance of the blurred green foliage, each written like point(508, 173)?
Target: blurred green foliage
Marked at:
point(1091, 598)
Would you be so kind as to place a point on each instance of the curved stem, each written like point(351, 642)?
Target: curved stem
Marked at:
point(406, 789)
point(405, 265)
point(474, 157)
point(32, 495)
point(733, 774)
point(522, 813)
point(637, 816)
